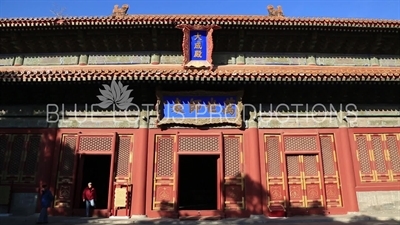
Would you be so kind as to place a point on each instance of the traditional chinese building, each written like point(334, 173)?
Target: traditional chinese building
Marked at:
point(200, 115)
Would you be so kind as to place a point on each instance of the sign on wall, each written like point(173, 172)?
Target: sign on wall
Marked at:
point(197, 45)
point(199, 108)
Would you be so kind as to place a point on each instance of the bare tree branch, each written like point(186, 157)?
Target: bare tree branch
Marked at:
point(58, 11)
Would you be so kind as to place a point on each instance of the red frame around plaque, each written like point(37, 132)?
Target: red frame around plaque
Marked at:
point(186, 45)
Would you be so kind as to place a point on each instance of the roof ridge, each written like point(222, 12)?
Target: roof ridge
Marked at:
point(186, 16)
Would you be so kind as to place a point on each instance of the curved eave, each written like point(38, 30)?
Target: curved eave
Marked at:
point(177, 73)
point(197, 19)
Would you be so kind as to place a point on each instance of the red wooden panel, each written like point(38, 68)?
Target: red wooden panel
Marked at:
point(392, 146)
point(274, 170)
point(295, 181)
point(363, 157)
point(4, 152)
point(95, 143)
point(312, 181)
point(233, 172)
point(15, 157)
point(333, 196)
point(64, 188)
point(304, 181)
point(124, 159)
point(31, 159)
point(379, 157)
point(204, 143)
point(19, 155)
point(164, 195)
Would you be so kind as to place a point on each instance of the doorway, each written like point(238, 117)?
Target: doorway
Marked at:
point(96, 169)
point(197, 182)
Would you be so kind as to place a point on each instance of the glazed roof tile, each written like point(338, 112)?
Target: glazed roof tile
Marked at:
point(176, 72)
point(197, 19)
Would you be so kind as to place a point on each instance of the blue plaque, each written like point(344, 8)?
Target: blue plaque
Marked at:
point(199, 108)
point(198, 45)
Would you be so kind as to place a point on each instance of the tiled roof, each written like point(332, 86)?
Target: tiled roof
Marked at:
point(176, 72)
point(197, 19)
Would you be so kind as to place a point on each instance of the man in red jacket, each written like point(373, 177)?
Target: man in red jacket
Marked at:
point(89, 196)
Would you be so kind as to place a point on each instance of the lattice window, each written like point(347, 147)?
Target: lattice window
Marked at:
point(124, 154)
point(394, 152)
point(67, 156)
point(328, 155)
point(333, 196)
point(310, 165)
point(198, 144)
point(4, 140)
point(31, 159)
point(300, 143)
point(66, 171)
point(363, 154)
point(274, 170)
point(233, 168)
point(165, 157)
point(292, 163)
point(273, 156)
point(164, 179)
point(232, 156)
point(19, 155)
point(17, 151)
point(95, 143)
point(378, 156)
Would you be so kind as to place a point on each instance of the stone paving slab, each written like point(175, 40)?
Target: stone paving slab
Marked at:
point(320, 220)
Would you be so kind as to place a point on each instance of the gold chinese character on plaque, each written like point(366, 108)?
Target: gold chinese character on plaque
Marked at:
point(197, 54)
point(197, 45)
point(197, 37)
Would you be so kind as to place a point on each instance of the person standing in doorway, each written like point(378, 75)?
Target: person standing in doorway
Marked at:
point(46, 199)
point(89, 197)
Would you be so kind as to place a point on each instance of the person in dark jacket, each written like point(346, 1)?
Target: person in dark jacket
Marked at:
point(89, 197)
point(46, 199)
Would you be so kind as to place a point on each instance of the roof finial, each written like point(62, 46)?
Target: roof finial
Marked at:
point(120, 12)
point(278, 12)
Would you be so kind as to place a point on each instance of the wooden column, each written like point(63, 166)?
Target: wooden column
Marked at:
point(347, 171)
point(47, 164)
point(253, 185)
point(139, 166)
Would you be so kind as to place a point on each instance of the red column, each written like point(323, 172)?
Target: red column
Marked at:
point(47, 162)
point(253, 185)
point(348, 182)
point(139, 169)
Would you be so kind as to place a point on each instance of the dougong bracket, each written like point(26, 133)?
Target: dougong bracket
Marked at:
point(197, 45)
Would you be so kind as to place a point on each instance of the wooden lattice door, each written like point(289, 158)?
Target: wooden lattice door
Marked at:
point(66, 171)
point(164, 196)
point(233, 173)
point(304, 181)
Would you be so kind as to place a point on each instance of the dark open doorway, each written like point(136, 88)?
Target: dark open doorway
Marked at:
point(96, 169)
point(197, 182)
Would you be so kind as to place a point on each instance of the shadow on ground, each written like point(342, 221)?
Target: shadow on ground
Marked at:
point(340, 220)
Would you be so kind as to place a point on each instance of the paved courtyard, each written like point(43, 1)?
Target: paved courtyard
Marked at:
point(318, 220)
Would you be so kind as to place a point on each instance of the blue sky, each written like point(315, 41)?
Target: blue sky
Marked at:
point(376, 9)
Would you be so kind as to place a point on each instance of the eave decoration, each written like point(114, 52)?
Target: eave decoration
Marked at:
point(199, 108)
point(197, 45)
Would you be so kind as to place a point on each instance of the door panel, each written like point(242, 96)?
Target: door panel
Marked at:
point(66, 171)
point(274, 170)
point(312, 181)
point(233, 173)
point(304, 181)
point(164, 177)
point(295, 181)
